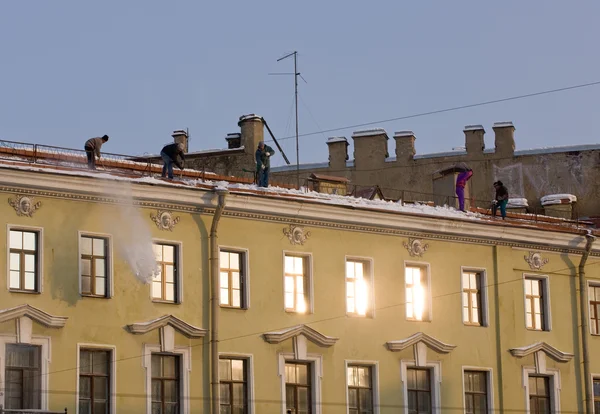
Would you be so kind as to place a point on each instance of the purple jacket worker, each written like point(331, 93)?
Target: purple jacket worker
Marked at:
point(461, 181)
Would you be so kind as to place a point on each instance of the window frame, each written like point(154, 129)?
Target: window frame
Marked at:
point(39, 258)
point(249, 358)
point(370, 313)
point(309, 285)
point(436, 380)
point(316, 378)
point(185, 367)
point(112, 377)
point(244, 277)
point(163, 379)
point(483, 296)
point(428, 309)
point(595, 378)
point(489, 385)
point(374, 365)
point(546, 308)
point(555, 386)
point(109, 263)
point(178, 256)
point(594, 284)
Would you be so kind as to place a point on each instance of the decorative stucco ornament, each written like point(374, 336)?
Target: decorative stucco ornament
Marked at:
point(535, 260)
point(164, 220)
point(296, 234)
point(24, 205)
point(415, 247)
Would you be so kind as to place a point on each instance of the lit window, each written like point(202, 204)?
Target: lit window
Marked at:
point(164, 283)
point(539, 395)
point(94, 381)
point(476, 394)
point(94, 266)
point(594, 298)
point(535, 304)
point(234, 385)
point(165, 384)
point(360, 389)
point(296, 284)
point(24, 261)
point(357, 288)
point(417, 292)
point(298, 392)
point(472, 298)
point(232, 279)
point(23, 377)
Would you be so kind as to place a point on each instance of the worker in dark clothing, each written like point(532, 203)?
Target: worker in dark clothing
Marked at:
point(92, 150)
point(172, 154)
point(263, 163)
point(501, 199)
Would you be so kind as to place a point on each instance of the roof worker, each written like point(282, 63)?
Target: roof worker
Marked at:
point(461, 181)
point(172, 154)
point(92, 149)
point(501, 199)
point(263, 163)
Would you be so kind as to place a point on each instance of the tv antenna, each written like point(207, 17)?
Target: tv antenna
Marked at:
point(296, 75)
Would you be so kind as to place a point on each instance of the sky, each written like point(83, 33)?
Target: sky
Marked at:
point(139, 69)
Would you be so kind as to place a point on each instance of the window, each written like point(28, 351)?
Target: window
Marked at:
point(476, 397)
point(539, 395)
point(164, 284)
point(94, 381)
point(234, 385)
point(417, 292)
point(298, 390)
point(360, 389)
point(165, 384)
point(594, 298)
point(24, 261)
point(597, 395)
point(23, 377)
point(232, 279)
point(94, 266)
point(472, 298)
point(296, 283)
point(419, 390)
point(357, 288)
point(535, 310)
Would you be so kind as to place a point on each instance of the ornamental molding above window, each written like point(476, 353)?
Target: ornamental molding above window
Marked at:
point(164, 220)
point(24, 205)
point(549, 350)
point(185, 328)
point(296, 234)
point(535, 260)
point(415, 247)
point(420, 337)
point(35, 314)
point(311, 334)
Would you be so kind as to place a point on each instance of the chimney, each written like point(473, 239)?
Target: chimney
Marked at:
point(370, 148)
point(505, 138)
point(234, 140)
point(252, 132)
point(405, 146)
point(474, 142)
point(181, 137)
point(338, 152)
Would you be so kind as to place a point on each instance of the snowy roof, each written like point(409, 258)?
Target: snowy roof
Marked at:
point(553, 150)
point(558, 199)
point(404, 134)
point(249, 116)
point(331, 140)
point(292, 167)
point(440, 154)
point(473, 128)
point(369, 133)
point(503, 124)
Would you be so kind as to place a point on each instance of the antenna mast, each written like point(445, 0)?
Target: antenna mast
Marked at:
point(296, 74)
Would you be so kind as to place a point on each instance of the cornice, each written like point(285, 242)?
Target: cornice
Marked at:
point(185, 328)
point(311, 334)
point(35, 314)
point(434, 344)
point(541, 346)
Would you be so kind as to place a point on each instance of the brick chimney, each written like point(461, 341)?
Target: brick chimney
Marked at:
point(252, 132)
point(504, 138)
point(474, 142)
point(405, 146)
point(370, 148)
point(234, 140)
point(181, 137)
point(338, 152)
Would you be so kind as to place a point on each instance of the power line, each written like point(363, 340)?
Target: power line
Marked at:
point(451, 109)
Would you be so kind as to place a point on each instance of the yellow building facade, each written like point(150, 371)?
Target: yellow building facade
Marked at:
point(318, 307)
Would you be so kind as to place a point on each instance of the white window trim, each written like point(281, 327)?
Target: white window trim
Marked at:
point(113, 373)
point(311, 297)
point(594, 377)
point(40, 276)
point(317, 375)
point(429, 307)
point(547, 307)
point(375, 382)
point(110, 289)
point(371, 285)
point(179, 257)
point(185, 354)
point(555, 387)
point(246, 260)
point(591, 283)
point(436, 379)
point(250, 375)
point(485, 313)
point(489, 383)
point(46, 352)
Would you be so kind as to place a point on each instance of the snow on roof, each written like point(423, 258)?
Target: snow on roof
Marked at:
point(331, 140)
point(473, 128)
point(249, 116)
point(404, 134)
point(517, 202)
point(503, 124)
point(440, 154)
point(558, 199)
point(369, 132)
point(553, 150)
point(292, 167)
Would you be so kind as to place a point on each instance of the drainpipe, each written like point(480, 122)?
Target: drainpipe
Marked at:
point(214, 304)
point(583, 307)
